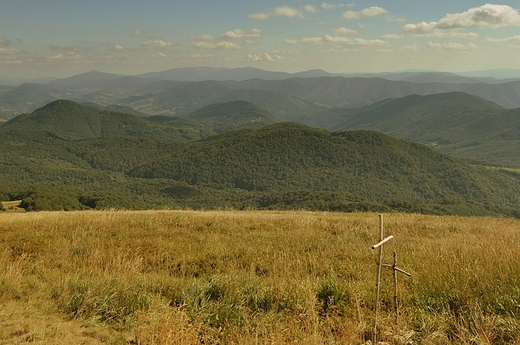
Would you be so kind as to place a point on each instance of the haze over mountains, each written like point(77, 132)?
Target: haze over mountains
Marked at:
point(226, 141)
point(311, 86)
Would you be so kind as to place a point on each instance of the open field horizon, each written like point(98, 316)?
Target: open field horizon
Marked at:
point(249, 277)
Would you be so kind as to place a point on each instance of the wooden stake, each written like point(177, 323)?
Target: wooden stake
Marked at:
point(395, 297)
point(378, 279)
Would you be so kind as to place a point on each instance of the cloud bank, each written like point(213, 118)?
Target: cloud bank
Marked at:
point(485, 16)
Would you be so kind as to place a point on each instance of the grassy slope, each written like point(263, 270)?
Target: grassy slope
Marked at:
point(254, 277)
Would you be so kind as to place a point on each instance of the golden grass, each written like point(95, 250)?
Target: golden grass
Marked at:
point(228, 277)
point(13, 206)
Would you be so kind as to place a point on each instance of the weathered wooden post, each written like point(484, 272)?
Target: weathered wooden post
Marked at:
point(378, 279)
point(378, 274)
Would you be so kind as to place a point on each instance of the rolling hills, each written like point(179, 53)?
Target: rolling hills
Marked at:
point(280, 166)
point(71, 120)
point(74, 121)
point(456, 123)
point(154, 94)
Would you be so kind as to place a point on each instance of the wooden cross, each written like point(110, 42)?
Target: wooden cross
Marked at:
point(378, 278)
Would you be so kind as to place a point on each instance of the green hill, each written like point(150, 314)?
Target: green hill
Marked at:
point(224, 117)
point(74, 121)
point(287, 158)
point(456, 123)
point(281, 166)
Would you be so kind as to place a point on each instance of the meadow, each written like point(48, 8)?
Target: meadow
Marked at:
point(255, 277)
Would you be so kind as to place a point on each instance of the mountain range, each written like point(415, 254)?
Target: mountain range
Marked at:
point(316, 87)
point(280, 166)
point(313, 141)
point(454, 122)
point(95, 158)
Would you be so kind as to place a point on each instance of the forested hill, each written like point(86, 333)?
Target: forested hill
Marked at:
point(233, 115)
point(455, 123)
point(281, 166)
point(71, 120)
point(289, 156)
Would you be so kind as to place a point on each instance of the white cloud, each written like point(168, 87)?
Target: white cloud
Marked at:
point(328, 6)
point(286, 11)
point(66, 56)
point(239, 33)
point(259, 16)
point(337, 40)
point(228, 45)
point(11, 61)
point(263, 57)
point(310, 8)
point(392, 36)
point(505, 39)
point(344, 31)
point(353, 41)
point(155, 44)
point(372, 11)
point(11, 51)
point(118, 47)
point(452, 46)
point(282, 11)
point(287, 52)
point(204, 38)
point(221, 45)
point(486, 16)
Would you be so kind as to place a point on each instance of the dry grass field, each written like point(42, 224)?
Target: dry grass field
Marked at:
point(228, 277)
point(12, 206)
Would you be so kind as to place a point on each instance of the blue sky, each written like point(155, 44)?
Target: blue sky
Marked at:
point(40, 38)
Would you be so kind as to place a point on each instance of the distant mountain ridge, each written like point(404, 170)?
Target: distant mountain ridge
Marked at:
point(71, 120)
point(315, 87)
point(455, 122)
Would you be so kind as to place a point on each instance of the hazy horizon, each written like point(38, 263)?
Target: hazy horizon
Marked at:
point(60, 38)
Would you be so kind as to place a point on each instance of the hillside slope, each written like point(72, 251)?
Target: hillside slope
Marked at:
point(284, 165)
point(358, 92)
point(291, 157)
point(186, 98)
point(74, 121)
point(455, 123)
point(224, 117)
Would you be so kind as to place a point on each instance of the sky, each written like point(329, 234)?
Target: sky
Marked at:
point(60, 38)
